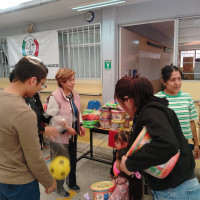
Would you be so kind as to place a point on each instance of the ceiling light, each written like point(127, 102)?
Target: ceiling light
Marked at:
point(96, 4)
point(12, 3)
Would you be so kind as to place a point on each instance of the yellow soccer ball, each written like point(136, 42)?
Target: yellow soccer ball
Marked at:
point(59, 167)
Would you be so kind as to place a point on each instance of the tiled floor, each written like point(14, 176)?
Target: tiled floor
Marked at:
point(88, 171)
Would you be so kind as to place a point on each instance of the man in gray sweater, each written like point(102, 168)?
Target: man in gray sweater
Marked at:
point(22, 164)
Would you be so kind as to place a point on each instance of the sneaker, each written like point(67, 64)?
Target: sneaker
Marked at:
point(75, 188)
point(62, 192)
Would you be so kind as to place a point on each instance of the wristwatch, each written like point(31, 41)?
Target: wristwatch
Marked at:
point(64, 131)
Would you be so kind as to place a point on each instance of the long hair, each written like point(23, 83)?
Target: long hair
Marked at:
point(135, 185)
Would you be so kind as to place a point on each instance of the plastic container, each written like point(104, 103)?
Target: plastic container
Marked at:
point(104, 113)
point(117, 115)
point(104, 123)
point(90, 123)
point(102, 190)
point(117, 125)
point(127, 116)
point(127, 122)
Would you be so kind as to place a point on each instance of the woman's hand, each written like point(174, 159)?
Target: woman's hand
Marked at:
point(123, 166)
point(82, 131)
point(71, 131)
point(196, 152)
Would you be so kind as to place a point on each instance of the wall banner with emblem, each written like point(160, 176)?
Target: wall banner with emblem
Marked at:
point(43, 45)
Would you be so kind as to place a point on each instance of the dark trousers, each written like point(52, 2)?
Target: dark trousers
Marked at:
point(57, 149)
point(73, 159)
point(29, 191)
point(68, 150)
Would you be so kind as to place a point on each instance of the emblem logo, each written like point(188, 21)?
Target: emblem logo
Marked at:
point(30, 46)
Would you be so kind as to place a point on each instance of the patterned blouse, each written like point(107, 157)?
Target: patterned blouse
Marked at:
point(121, 191)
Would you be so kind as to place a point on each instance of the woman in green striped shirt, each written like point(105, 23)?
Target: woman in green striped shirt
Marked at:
point(181, 103)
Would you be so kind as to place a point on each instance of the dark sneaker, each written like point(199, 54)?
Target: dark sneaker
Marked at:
point(62, 192)
point(67, 194)
point(75, 188)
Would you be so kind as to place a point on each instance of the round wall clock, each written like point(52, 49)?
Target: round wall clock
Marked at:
point(89, 16)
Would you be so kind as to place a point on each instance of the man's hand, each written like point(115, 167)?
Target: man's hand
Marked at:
point(52, 188)
point(51, 131)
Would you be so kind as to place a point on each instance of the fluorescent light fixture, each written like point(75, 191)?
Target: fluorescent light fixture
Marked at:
point(11, 3)
point(97, 4)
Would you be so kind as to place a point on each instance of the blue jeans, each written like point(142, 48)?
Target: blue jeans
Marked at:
point(29, 191)
point(188, 190)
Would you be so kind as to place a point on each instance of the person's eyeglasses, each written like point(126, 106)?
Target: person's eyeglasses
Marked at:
point(43, 85)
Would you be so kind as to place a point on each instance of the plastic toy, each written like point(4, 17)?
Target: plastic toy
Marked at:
point(102, 190)
point(87, 197)
point(59, 167)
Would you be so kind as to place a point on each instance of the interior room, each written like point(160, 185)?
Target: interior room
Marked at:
point(102, 41)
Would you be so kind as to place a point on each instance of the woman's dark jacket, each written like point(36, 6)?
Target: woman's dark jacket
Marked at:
point(167, 138)
point(36, 104)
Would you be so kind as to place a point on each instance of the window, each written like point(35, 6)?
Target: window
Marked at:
point(4, 67)
point(80, 50)
point(189, 47)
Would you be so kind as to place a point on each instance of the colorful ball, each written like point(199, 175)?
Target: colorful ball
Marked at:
point(59, 167)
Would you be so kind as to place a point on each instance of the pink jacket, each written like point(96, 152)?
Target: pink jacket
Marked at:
point(63, 107)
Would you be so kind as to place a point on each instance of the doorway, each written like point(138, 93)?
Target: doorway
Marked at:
point(145, 49)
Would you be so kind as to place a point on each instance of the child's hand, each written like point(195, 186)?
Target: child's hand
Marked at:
point(111, 176)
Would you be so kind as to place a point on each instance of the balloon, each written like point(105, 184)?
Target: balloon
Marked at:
point(59, 167)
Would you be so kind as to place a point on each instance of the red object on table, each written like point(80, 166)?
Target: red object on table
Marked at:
point(111, 139)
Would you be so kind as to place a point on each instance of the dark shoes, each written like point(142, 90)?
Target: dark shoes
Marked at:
point(62, 192)
point(75, 188)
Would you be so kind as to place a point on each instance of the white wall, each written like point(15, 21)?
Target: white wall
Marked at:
point(56, 24)
point(129, 51)
point(109, 52)
point(111, 18)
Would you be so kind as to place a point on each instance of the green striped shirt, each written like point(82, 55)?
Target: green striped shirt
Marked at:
point(184, 107)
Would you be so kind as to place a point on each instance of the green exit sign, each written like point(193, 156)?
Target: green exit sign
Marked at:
point(107, 64)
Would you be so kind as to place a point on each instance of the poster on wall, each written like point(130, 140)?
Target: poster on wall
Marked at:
point(43, 45)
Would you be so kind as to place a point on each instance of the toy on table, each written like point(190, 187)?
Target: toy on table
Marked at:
point(104, 113)
point(90, 118)
point(127, 123)
point(104, 123)
point(117, 115)
point(112, 104)
point(159, 171)
point(117, 125)
point(102, 190)
point(59, 167)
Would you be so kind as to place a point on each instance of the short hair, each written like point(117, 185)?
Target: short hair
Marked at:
point(12, 74)
point(138, 88)
point(63, 75)
point(29, 66)
point(167, 71)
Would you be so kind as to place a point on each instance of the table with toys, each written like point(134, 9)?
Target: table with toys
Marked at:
point(108, 120)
